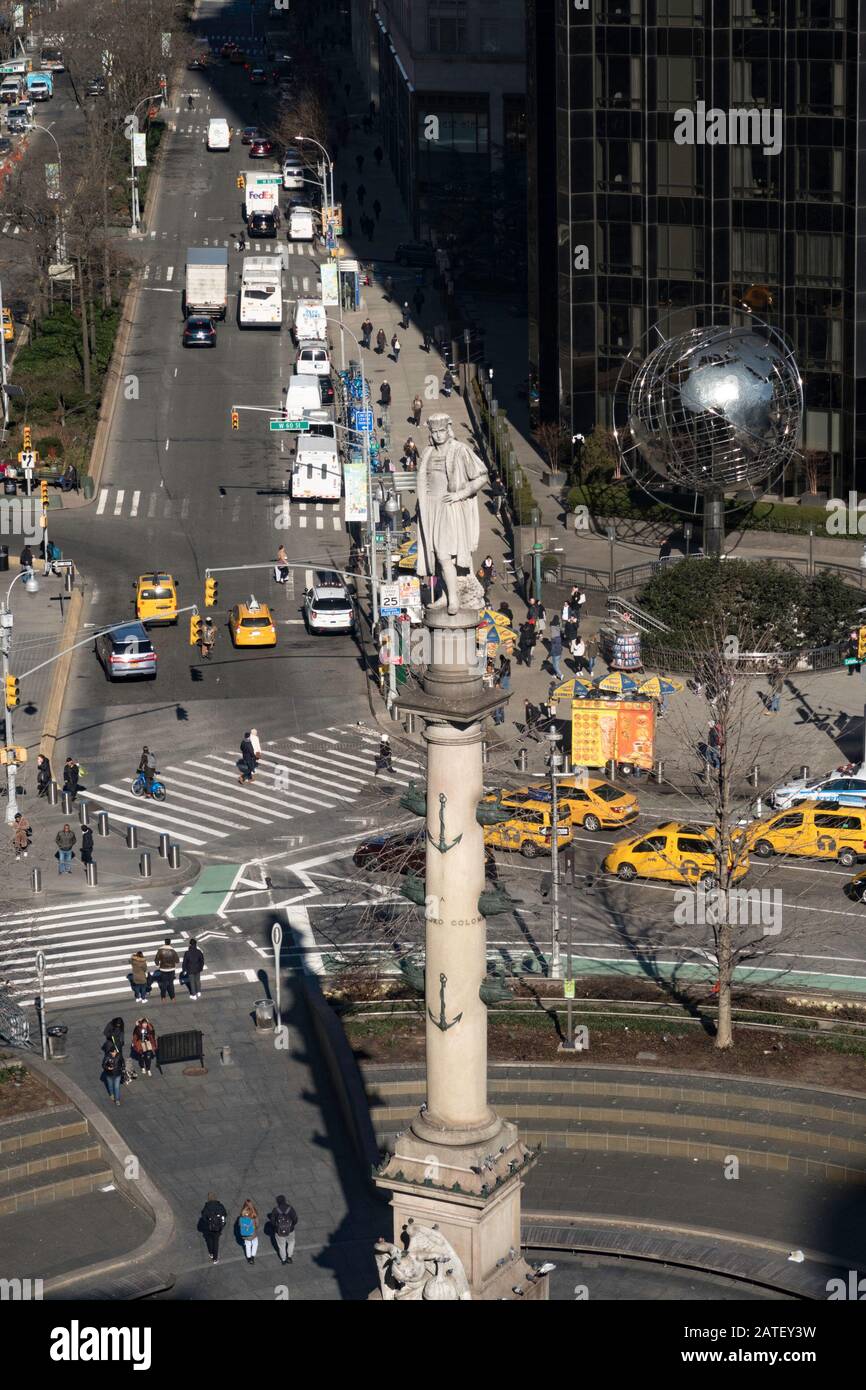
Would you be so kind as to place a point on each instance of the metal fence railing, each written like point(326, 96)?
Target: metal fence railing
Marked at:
point(670, 659)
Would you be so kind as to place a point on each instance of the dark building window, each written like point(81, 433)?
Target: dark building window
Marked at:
point(446, 26)
point(458, 131)
point(514, 126)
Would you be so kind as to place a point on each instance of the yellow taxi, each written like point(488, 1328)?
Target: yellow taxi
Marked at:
point(590, 802)
point(156, 598)
point(530, 830)
point(812, 830)
point(8, 325)
point(252, 625)
point(674, 852)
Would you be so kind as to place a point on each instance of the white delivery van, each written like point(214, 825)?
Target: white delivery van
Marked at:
point(316, 471)
point(303, 393)
point(313, 358)
point(301, 224)
point(219, 137)
point(310, 323)
point(11, 90)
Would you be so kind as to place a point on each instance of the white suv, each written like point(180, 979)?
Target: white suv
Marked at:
point(328, 604)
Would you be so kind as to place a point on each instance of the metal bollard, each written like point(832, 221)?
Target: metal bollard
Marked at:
point(91, 875)
point(53, 793)
point(521, 760)
point(566, 768)
point(164, 844)
point(132, 837)
point(144, 864)
point(804, 770)
point(484, 753)
point(410, 723)
point(754, 774)
point(36, 880)
point(659, 771)
point(102, 823)
point(174, 856)
point(610, 768)
point(226, 1055)
point(83, 818)
point(66, 802)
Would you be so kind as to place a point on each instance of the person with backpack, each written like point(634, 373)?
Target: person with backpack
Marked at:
point(248, 1227)
point(283, 1221)
point(144, 1045)
point(166, 961)
point(213, 1219)
point(112, 1071)
point(395, 347)
point(140, 981)
point(192, 965)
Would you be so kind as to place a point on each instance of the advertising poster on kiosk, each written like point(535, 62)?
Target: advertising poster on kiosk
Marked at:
point(622, 730)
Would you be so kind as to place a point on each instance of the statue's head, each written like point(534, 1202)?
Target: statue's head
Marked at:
point(440, 428)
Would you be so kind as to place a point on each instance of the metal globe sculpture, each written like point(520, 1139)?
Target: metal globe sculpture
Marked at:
point(714, 408)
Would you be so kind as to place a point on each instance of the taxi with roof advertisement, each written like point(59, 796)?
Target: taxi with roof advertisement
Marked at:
point(252, 624)
point(590, 802)
point(530, 829)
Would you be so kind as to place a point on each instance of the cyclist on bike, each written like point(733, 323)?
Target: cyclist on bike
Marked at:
point(147, 769)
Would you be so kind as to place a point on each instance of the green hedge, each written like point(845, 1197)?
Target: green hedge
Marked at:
point(618, 499)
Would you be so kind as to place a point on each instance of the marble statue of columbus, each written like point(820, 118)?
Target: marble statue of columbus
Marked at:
point(450, 476)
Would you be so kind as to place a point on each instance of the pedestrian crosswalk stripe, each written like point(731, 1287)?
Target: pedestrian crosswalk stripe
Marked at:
point(86, 944)
point(323, 789)
point(103, 498)
point(187, 771)
point(135, 814)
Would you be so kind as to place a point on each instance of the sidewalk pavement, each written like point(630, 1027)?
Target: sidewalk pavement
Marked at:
point(37, 636)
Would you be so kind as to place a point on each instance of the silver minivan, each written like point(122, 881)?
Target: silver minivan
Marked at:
point(126, 652)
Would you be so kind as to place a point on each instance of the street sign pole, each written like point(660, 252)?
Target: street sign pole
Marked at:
point(40, 971)
point(276, 941)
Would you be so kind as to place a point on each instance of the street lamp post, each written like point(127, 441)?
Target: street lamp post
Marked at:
point(133, 177)
point(61, 244)
point(31, 584)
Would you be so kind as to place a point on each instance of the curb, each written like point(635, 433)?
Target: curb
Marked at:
point(60, 679)
point(143, 1193)
point(127, 886)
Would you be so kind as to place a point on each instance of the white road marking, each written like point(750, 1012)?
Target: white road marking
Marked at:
point(136, 498)
point(298, 919)
point(169, 274)
point(151, 506)
point(118, 502)
point(103, 498)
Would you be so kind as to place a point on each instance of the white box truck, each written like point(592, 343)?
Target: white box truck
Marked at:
point(261, 299)
point(207, 278)
point(310, 321)
point(317, 473)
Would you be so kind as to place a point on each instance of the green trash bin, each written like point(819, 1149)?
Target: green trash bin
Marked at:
point(87, 488)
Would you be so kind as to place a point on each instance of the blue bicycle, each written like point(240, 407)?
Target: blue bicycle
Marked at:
point(157, 788)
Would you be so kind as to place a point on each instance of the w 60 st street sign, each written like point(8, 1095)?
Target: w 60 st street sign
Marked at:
point(299, 426)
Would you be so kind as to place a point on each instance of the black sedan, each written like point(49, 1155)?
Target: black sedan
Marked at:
point(262, 148)
point(199, 331)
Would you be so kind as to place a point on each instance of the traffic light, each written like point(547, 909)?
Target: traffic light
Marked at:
point(195, 627)
point(43, 495)
point(13, 692)
point(211, 589)
point(861, 643)
point(27, 441)
point(12, 755)
point(236, 420)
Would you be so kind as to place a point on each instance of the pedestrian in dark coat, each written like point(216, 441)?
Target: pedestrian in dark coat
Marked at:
point(377, 209)
point(166, 961)
point(525, 643)
point(71, 775)
point(248, 759)
point(86, 845)
point(366, 333)
point(112, 1072)
point(140, 982)
point(192, 965)
point(144, 1045)
point(212, 1224)
point(385, 394)
point(283, 1221)
point(381, 341)
point(113, 1035)
point(43, 775)
point(360, 193)
point(26, 558)
point(378, 154)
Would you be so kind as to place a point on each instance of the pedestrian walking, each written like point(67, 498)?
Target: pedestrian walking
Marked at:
point(65, 841)
point(71, 777)
point(283, 1221)
point(166, 961)
point(140, 981)
point(377, 209)
point(281, 566)
point(385, 394)
point(366, 333)
point(506, 610)
point(497, 495)
point(504, 674)
point(590, 654)
point(404, 321)
point(447, 382)
point(247, 760)
point(191, 967)
point(86, 845)
point(257, 745)
point(578, 651)
point(777, 683)
point(144, 1045)
point(417, 407)
point(540, 614)
point(485, 574)
point(576, 602)
point(389, 286)
point(380, 341)
point(395, 347)
point(208, 638)
point(569, 624)
point(525, 643)
point(112, 1072)
point(20, 838)
point(383, 757)
point(378, 155)
point(25, 559)
point(43, 775)
point(410, 453)
point(248, 1230)
point(212, 1223)
point(360, 193)
point(554, 648)
point(426, 340)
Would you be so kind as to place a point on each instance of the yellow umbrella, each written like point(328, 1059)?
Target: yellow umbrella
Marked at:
point(618, 682)
point(566, 690)
point(488, 615)
point(656, 686)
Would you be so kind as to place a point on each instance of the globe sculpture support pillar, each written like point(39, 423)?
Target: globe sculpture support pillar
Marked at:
point(714, 524)
point(455, 1173)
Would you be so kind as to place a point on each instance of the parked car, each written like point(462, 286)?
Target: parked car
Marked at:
point(419, 253)
point(126, 652)
point(199, 331)
point(258, 75)
point(196, 65)
point(95, 87)
point(846, 790)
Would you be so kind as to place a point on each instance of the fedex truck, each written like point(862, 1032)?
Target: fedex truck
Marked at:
point(260, 304)
point(262, 204)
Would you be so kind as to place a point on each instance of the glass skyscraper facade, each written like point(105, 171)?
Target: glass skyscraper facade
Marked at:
point(694, 153)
